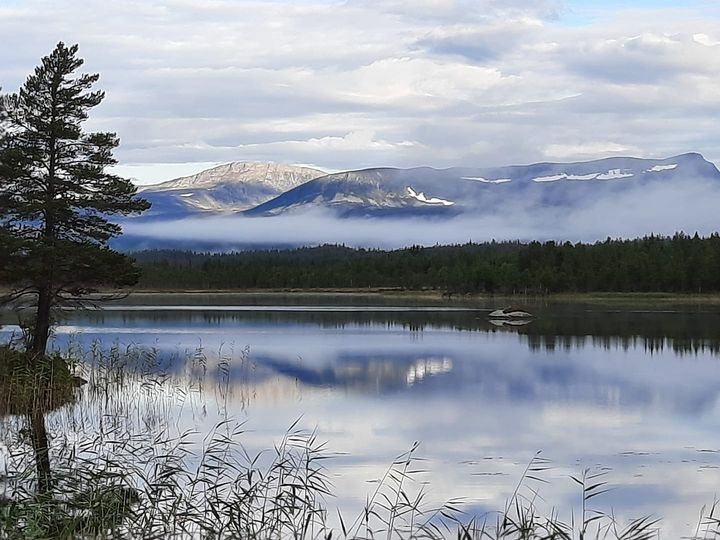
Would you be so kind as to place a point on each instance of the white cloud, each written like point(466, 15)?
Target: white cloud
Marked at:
point(704, 39)
point(588, 150)
point(435, 82)
point(153, 173)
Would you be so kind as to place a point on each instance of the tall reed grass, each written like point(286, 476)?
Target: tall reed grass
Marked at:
point(109, 479)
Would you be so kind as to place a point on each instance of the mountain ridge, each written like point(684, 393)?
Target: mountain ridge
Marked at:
point(583, 200)
point(233, 187)
point(238, 171)
point(268, 189)
point(455, 189)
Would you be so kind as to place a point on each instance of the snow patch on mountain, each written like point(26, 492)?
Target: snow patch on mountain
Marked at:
point(486, 180)
point(612, 174)
point(552, 178)
point(423, 199)
point(661, 168)
point(615, 174)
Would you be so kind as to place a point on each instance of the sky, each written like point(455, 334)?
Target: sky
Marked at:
point(359, 83)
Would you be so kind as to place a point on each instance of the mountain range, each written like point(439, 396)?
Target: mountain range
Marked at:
point(261, 189)
point(260, 205)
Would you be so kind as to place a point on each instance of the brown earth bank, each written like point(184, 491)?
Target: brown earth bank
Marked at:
point(433, 296)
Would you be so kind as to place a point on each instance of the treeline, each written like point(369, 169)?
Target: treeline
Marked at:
point(677, 264)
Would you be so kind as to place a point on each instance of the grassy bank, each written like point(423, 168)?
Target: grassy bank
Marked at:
point(435, 297)
point(380, 296)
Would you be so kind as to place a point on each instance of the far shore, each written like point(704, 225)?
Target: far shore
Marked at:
point(385, 294)
point(435, 296)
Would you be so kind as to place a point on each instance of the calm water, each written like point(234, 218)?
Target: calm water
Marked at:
point(631, 391)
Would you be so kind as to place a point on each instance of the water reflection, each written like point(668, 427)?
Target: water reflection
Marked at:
point(634, 393)
point(39, 438)
point(683, 331)
point(27, 393)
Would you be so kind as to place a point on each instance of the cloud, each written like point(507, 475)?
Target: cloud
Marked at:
point(485, 43)
point(588, 150)
point(349, 146)
point(647, 58)
point(453, 10)
point(464, 82)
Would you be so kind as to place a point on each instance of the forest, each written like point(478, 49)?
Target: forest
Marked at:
point(675, 264)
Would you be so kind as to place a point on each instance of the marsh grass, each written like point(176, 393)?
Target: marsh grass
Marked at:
point(27, 383)
point(110, 479)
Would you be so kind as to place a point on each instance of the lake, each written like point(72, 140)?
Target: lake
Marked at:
point(631, 391)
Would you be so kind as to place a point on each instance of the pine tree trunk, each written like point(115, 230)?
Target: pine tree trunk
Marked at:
point(39, 438)
point(41, 331)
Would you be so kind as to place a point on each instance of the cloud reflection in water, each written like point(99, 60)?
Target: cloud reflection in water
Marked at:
point(481, 399)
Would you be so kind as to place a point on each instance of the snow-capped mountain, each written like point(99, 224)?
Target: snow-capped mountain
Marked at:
point(427, 191)
point(619, 197)
point(232, 187)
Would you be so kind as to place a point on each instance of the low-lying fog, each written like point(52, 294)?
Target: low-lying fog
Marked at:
point(690, 206)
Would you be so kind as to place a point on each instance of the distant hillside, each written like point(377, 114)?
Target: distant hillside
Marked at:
point(448, 192)
point(232, 187)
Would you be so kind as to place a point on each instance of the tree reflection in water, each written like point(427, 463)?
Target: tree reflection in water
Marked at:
point(111, 466)
point(39, 438)
point(105, 461)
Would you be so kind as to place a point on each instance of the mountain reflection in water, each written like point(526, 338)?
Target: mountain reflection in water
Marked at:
point(634, 392)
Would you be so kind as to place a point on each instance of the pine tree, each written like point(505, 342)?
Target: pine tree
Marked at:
point(56, 194)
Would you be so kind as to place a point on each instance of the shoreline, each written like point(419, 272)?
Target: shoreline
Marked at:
point(397, 294)
point(435, 296)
